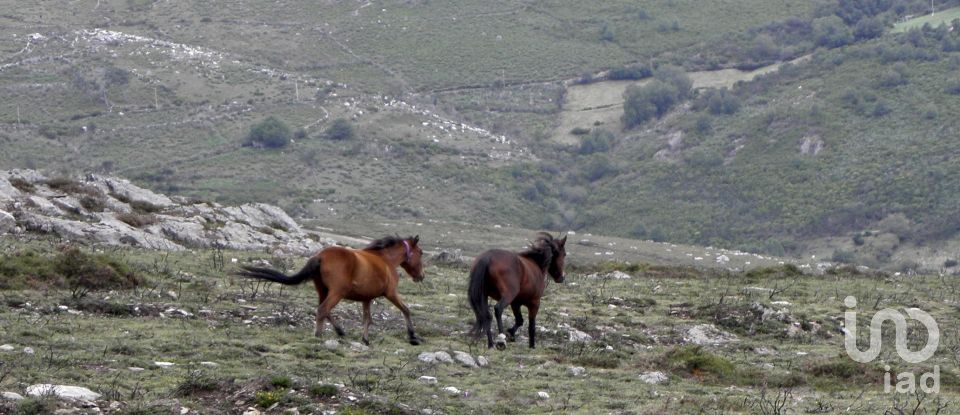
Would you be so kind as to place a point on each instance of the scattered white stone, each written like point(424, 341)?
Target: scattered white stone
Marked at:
point(358, 347)
point(251, 411)
point(708, 334)
point(430, 380)
point(184, 410)
point(209, 364)
point(465, 359)
point(482, 361)
point(577, 371)
point(653, 378)
point(11, 396)
point(63, 308)
point(451, 390)
point(7, 348)
point(63, 392)
point(579, 336)
point(723, 259)
point(427, 357)
point(135, 369)
point(164, 364)
point(543, 395)
point(28, 350)
point(443, 357)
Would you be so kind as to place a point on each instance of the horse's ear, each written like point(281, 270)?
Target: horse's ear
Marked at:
point(416, 239)
point(563, 240)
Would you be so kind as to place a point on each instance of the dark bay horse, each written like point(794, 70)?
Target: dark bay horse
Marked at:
point(358, 275)
point(517, 279)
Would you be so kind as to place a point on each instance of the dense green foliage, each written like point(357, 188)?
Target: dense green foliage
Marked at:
point(269, 133)
point(340, 129)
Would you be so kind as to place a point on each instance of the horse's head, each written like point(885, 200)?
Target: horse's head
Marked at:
point(413, 258)
point(559, 255)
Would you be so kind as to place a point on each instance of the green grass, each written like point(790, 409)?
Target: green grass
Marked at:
point(934, 20)
point(263, 354)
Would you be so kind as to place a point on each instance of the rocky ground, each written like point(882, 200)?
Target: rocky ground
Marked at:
point(115, 212)
point(175, 333)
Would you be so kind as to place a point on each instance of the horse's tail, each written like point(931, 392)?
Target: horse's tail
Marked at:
point(310, 270)
point(477, 293)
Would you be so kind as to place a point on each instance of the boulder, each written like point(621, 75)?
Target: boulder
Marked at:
point(429, 380)
point(708, 334)
point(8, 193)
point(578, 336)
point(63, 392)
point(8, 224)
point(577, 371)
point(465, 359)
point(654, 378)
point(11, 396)
point(128, 192)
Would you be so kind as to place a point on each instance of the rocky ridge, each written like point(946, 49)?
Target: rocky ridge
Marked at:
point(113, 211)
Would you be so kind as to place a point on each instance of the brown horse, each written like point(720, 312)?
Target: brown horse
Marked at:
point(517, 280)
point(358, 275)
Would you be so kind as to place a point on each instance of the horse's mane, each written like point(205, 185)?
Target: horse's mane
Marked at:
point(383, 243)
point(540, 250)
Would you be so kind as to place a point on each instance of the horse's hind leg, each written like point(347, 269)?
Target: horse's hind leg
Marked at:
point(498, 312)
point(517, 322)
point(395, 299)
point(367, 320)
point(323, 313)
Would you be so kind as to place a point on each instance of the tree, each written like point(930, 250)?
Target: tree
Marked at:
point(868, 28)
point(340, 129)
point(269, 133)
point(831, 32)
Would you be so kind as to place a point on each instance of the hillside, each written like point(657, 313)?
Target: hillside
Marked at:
point(178, 334)
point(448, 99)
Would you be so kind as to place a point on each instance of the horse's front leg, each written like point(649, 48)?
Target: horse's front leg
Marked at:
point(394, 298)
point(517, 322)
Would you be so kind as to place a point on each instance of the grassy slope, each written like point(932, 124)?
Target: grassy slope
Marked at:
point(746, 178)
point(936, 19)
point(647, 319)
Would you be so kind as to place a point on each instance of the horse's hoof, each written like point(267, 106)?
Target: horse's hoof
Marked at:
point(416, 341)
point(365, 342)
point(511, 338)
point(340, 332)
point(501, 343)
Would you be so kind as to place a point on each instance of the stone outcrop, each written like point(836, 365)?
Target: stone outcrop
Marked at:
point(113, 211)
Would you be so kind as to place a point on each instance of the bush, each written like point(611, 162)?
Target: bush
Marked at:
point(323, 390)
point(340, 129)
point(68, 268)
point(695, 360)
point(719, 101)
point(269, 133)
point(643, 103)
point(953, 88)
point(580, 131)
point(21, 184)
point(868, 29)
point(598, 141)
point(281, 381)
point(831, 32)
point(843, 256)
point(631, 72)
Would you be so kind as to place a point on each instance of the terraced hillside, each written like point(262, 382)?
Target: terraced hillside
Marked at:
point(448, 99)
